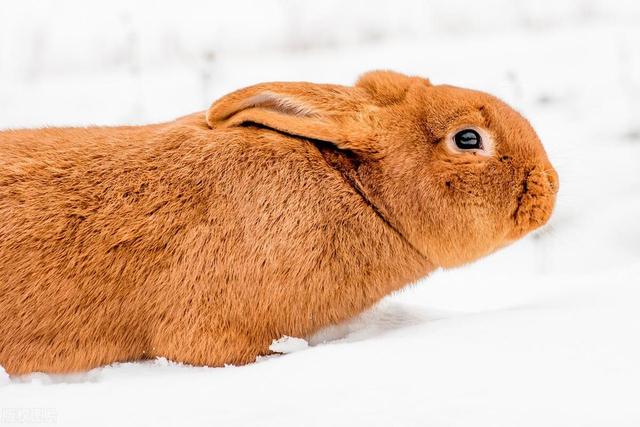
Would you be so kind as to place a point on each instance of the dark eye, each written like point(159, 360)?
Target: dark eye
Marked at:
point(468, 139)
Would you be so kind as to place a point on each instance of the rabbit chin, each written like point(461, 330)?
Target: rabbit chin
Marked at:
point(536, 202)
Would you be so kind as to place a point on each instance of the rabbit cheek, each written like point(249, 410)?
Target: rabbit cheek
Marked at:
point(484, 198)
point(466, 222)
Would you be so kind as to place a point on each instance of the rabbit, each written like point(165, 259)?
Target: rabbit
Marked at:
point(282, 209)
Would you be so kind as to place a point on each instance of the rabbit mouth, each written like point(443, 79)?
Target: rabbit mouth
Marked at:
point(536, 201)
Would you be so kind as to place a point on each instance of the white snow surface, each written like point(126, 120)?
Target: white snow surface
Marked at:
point(4, 377)
point(287, 344)
point(543, 333)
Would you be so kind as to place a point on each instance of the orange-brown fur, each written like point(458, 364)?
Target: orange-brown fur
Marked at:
point(285, 208)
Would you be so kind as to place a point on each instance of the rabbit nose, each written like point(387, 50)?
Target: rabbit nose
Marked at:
point(537, 199)
point(552, 177)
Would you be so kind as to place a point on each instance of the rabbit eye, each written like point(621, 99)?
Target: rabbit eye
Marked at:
point(468, 139)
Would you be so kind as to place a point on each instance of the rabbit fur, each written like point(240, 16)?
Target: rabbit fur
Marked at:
point(284, 208)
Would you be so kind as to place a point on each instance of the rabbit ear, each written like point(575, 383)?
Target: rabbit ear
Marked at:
point(331, 113)
point(388, 87)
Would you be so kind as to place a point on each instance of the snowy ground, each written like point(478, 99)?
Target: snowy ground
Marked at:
point(544, 333)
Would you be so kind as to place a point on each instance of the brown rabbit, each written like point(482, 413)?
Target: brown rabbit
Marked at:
point(285, 208)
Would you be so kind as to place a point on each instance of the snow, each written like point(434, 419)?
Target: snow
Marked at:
point(4, 377)
point(544, 332)
point(288, 344)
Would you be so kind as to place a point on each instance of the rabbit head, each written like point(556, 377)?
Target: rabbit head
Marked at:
point(456, 172)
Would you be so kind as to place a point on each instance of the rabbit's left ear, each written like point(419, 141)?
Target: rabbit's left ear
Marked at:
point(336, 114)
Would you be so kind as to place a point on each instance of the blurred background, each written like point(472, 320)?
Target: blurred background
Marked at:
point(74, 62)
point(541, 333)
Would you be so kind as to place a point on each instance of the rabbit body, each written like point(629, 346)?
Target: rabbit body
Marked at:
point(172, 240)
point(284, 208)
